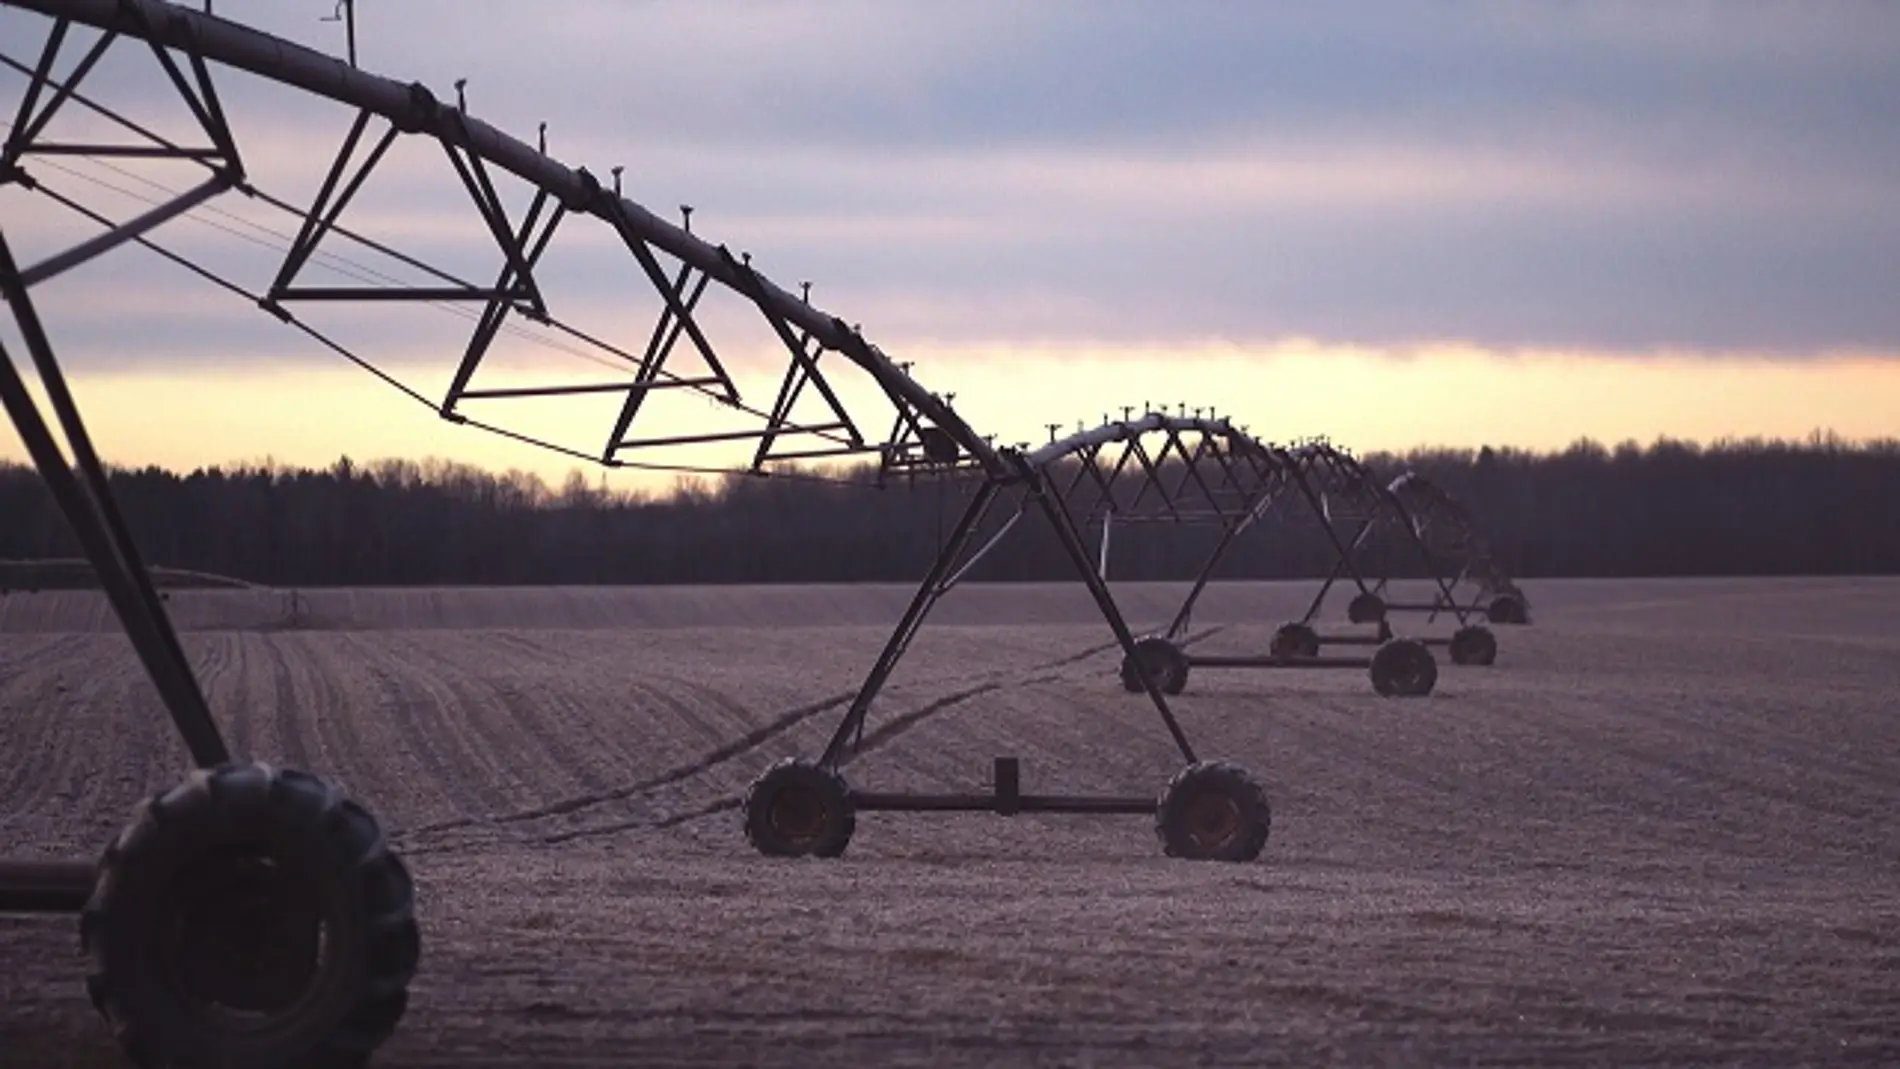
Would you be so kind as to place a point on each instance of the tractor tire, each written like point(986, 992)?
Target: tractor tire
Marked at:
point(1508, 609)
point(1404, 668)
point(1366, 609)
point(1165, 662)
point(799, 808)
point(1294, 640)
point(1213, 811)
point(251, 917)
point(1474, 645)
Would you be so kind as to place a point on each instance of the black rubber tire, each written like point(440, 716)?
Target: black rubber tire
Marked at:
point(1474, 646)
point(1404, 668)
point(1508, 609)
point(1366, 609)
point(1166, 664)
point(298, 919)
point(799, 808)
point(1294, 640)
point(1213, 811)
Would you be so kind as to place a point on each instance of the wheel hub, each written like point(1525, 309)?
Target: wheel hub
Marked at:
point(1411, 674)
point(799, 815)
point(1212, 820)
point(241, 934)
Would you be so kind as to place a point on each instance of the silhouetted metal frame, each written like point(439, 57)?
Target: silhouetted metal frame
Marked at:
point(1274, 475)
point(1225, 476)
point(948, 568)
point(1258, 477)
point(80, 489)
point(74, 475)
point(1442, 520)
point(929, 432)
point(1377, 508)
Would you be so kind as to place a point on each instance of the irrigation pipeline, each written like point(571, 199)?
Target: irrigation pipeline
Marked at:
point(473, 146)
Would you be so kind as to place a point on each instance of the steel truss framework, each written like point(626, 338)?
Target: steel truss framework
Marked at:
point(1311, 484)
point(1371, 509)
point(1347, 504)
point(1453, 537)
point(924, 432)
point(679, 267)
point(1211, 810)
point(1155, 467)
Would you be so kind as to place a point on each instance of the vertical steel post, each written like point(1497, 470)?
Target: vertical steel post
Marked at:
point(85, 497)
point(1079, 556)
point(1339, 567)
point(1180, 622)
point(927, 594)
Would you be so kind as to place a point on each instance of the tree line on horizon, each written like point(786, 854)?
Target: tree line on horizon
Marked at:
point(1672, 508)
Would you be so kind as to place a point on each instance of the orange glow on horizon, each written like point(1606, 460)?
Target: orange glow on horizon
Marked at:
point(1362, 399)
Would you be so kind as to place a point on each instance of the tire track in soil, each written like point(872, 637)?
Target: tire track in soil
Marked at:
point(891, 729)
point(75, 750)
point(592, 738)
point(526, 716)
point(342, 731)
point(751, 740)
point(240, 719)
point(685, 712)
point(906, 721)
point(659, 691)
point(34, 709)
point(290, 746)
point(427, 735)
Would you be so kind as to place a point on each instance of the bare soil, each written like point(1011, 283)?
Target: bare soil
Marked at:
point(1659, 831)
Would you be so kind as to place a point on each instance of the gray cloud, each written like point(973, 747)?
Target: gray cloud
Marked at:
point(1597, 177)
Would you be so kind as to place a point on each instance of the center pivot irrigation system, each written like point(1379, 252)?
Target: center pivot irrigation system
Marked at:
point(255, 916)
point(1450, 535)
point(1316, 487)
point(1155, 467)
point(1357, 509)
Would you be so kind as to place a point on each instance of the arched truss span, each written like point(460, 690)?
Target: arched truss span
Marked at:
point(1161, 467)
point(484, 167)
point(1447, 526)
point(1342, 498)
point(1152, 467)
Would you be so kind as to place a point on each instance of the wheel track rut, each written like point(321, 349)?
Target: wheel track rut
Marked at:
point(428, 736)
point(889, 729)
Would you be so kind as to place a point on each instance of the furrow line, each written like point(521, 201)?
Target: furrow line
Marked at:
point(428, 736)
point(749, 741)
point(290, 747)
point(752, 740)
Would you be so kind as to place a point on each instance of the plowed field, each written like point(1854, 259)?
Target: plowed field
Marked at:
point(1660, 830)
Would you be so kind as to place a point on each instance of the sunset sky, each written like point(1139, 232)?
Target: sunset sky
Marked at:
point(1395, 224)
